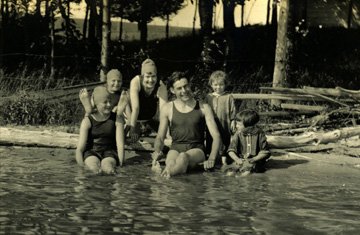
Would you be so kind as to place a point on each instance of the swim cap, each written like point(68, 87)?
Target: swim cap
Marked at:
point(148, 66)
point(100, 94)
point(114, 73)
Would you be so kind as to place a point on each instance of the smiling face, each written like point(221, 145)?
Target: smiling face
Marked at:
point(149, 80)
point(181, 89)
point(102, 100)
point(113, 82)
point(218, 86)
point(103, 106)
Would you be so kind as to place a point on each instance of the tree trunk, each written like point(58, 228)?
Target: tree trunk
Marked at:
point(85, 24)
point(350, 13)
point(66, 17)
point(167, 27)
point(106, 33)
point(194, 18)
point(229, 26)
point(228, 14)
point(205, 12)
point(99, 21)
point(121, 29)
point(33, 138)
point(283, 47)
point(143, 33)
point(47, 9)
point(1, 33)
point(242, 15)
point(274, 20)
point(38, 8)
point(142, 24)
point(92, 21)
point(268, 12)
point(52, 44)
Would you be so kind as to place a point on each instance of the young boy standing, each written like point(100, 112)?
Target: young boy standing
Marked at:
point(223, 106)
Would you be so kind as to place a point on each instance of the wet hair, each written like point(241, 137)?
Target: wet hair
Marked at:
point(218, 75)
point(249, 117)
point(174, 77)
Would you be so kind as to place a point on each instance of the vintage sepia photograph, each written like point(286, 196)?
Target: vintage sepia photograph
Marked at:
point(179, 117)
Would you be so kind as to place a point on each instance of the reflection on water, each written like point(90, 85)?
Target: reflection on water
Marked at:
point(42, 191)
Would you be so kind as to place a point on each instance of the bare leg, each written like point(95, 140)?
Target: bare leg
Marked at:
point(85, 101)
point(178, 163)
point(170, 163)
point(93, 164)
point(196, 156)
point(108, 165)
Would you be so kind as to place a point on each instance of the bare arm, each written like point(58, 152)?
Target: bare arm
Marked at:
point(264, 149)
point(163, 127)
point(233, 149)
point(135, 107)
point(212, 127)
point(120, 139)
point(134, 100)
point(162, 93)
point(83, 136)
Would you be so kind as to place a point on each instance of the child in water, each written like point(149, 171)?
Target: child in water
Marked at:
point(223, 106)
point(113, 86)
point(101, 140)
point(248, 146)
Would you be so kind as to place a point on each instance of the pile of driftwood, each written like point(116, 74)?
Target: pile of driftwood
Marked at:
point(318, 119)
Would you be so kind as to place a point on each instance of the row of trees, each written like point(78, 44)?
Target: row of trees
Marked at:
point(35, 21)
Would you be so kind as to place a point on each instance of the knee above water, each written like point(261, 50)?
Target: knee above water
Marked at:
point(183, 157)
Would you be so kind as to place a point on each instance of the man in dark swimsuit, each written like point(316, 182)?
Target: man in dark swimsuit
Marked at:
point(186, 119)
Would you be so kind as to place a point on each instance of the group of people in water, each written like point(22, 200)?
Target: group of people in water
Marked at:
point(203, 133)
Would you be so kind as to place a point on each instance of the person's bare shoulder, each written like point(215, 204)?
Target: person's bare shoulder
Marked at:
point(205, 107)
point(135, 82)
point(167, 107)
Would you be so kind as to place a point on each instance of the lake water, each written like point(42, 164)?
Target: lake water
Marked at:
point(42, 191)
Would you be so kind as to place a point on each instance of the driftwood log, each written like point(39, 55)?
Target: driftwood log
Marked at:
point(56, 139)
point(13, 136)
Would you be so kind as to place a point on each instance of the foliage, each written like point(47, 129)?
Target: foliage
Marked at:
point(135, 11)
point(34, 109)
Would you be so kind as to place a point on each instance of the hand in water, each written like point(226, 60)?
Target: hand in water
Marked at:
point(134, 134)
point(209, 164)
point(156, 168)
point(166, 173)
point(239, 162)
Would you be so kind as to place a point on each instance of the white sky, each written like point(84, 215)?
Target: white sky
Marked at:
point(255, 13)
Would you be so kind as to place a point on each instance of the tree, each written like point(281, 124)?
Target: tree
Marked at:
point(143, 12)
point(285, 31)
point(205, 12)
point(167, 8)
point(105, 40)
point(228, 14)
